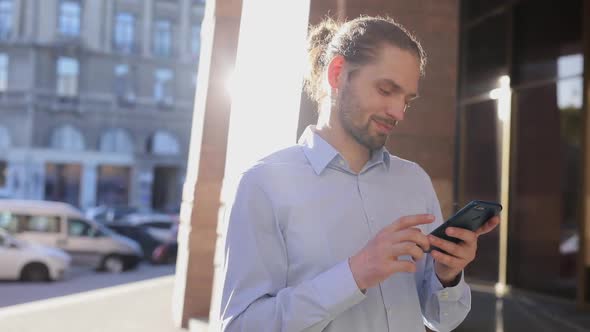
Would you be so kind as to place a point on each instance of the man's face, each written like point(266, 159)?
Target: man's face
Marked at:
point(374, 98)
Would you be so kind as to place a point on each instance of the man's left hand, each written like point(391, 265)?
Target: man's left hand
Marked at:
point(448, 266)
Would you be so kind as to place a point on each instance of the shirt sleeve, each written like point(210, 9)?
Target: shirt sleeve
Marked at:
point(255, 294)
point(443, 309)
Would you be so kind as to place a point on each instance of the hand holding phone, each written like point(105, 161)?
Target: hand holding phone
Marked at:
point(471, 217)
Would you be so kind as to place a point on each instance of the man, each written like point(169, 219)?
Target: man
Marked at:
point(328, 235)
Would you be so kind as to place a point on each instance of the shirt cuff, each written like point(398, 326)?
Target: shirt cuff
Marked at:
point(451, 294)
point(338, 289)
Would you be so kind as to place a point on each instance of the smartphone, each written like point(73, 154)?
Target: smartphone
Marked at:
point(472, 216)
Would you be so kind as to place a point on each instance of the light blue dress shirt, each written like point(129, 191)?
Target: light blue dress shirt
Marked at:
point(297, 216)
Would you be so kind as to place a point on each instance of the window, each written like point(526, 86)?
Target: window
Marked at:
point(196, 39)
point(162, 38)
point(43, 224)
point(113, 187)
point(570, 85)
point(69, 18)
point(541, 46)
point(67, 138)
point(124, 88)
point(3, 173)
point(9, 222)
point(79, 228)
point(116, 140)
point(67, 77)
point(5, 19)
point(163, 86)
point(62, 183)
point(125, 32)
point(5, 140)
point(164, 144)
point(3, 72)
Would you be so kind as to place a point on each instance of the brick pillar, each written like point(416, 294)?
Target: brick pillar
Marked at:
point(201, 194)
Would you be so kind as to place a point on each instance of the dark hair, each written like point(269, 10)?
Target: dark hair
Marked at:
point(358, 41)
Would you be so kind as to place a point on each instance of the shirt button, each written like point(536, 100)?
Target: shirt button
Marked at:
point(444, 295)
point(341, 163)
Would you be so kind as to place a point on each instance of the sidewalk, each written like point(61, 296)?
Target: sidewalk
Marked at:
point(145, 306)
point(522, 311)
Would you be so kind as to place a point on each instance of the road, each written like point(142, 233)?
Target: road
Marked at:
point(79, 279)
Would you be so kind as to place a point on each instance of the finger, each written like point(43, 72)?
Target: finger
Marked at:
point(448, 260)
point(407, 249)
point(411, 221)
point(488, 226)
point(462, 234)
point(450, 247)
point(412, 235)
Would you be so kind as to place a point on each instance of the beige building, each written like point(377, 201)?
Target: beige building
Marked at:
point(96, 99)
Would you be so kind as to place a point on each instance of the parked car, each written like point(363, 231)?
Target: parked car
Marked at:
point(139, 234)
point(63, 226)
point(29, 262)
point(158, 225)
point(109, 214)
point(166, 252)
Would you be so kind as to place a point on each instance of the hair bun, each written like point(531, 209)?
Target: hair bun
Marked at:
point(318, 40)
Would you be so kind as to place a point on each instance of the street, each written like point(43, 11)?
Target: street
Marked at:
point(79, 279)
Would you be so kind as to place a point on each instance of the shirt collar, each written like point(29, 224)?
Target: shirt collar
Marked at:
point(320, 153)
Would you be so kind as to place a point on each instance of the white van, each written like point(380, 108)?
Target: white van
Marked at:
point(30, 262)
point(63, 226)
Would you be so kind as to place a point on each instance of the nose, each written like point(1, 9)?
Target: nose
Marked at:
point(396, 109)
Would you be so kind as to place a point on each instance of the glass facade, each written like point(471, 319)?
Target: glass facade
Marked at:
point(538, 45)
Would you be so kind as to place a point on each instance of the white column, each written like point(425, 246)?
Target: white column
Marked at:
point(148, 8)
point(36, 180)
point(183, 39)
point(109, 12)
point(91, 22)
point(143, 178)
point(88, 185)
point(247, 141)
point(16, 18)
point(47, 20)
point(29, 17)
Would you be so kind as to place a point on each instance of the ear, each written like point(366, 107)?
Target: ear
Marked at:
point(336, 71)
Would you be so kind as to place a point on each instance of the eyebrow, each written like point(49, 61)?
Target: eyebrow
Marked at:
point(398, 87)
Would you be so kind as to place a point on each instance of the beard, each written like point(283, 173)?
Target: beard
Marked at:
point(350, 115)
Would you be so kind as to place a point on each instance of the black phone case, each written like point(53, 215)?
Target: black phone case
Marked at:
point(472, 216)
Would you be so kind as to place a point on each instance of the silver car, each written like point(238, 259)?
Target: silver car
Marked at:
point(63, 226)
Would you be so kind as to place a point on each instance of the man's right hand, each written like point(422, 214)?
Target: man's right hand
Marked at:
point(378, 260)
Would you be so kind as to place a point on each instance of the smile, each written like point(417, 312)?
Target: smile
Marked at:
point(384, 126)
